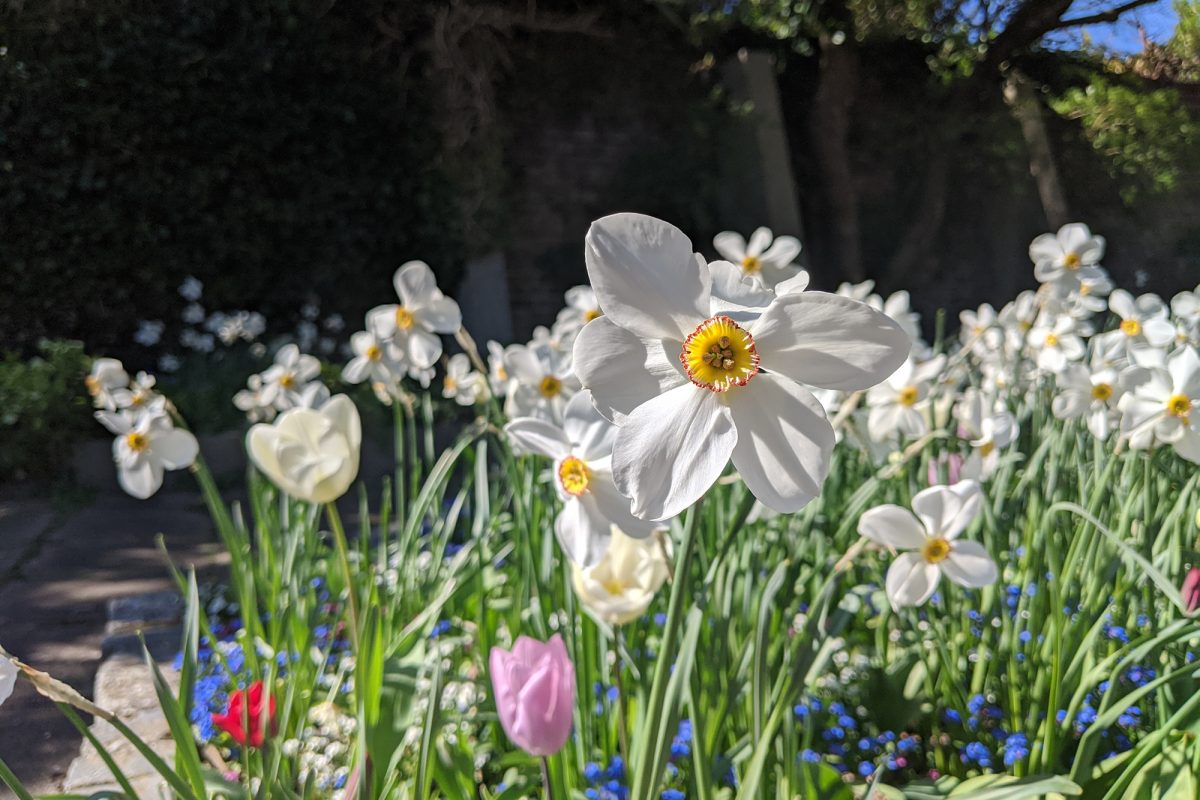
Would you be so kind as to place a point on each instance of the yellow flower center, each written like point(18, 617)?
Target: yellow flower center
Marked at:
point(591, 314)
point(719, 355)
point(935, 550)
point(404, 318)
point(139, 398)
point(137, 442)
point(1131, 327)
point(987, 448)
point(550, 386)
point(449, 384)
point(1071, 261)
point(1051, 340)
point(373, 352)
point(751, 265)
point(613, 586)
point(92, 384)
point(1085, 289)
point(574, 476)
point(288, 380)
point(1101, 392)
point(907, 396)
point(1179, 406)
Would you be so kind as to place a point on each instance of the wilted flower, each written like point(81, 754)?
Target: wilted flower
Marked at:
point(692, 388)
point(942, 513)
point(147, 444)
point(534, 687)
point(311, 454)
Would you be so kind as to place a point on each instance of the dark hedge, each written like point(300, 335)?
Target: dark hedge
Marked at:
point(254, 145)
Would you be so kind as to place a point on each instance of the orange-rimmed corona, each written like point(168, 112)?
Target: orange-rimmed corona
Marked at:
point(719, 355)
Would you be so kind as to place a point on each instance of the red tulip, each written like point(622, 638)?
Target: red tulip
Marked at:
point(245, 722)
point(1191, 589)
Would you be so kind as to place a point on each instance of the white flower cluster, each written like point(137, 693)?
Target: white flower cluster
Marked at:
point(147, 442)
point(291, 382)
point(323, 750)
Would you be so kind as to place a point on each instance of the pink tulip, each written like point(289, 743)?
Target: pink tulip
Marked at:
point(534, 687)
point(1191, 589)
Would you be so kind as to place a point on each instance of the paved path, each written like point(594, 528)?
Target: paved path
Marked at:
point(57, 572)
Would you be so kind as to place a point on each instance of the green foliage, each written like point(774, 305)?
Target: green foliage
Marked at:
point(43, 410)
point(1148, 140)
point(253, 145)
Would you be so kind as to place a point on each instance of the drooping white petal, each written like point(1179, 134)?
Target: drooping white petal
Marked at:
point(422, 348)
point(590, 434)
point(730, 245)
point(644, 276)
point(784, 441)
point(947, 510)
point(969, 564)
point(783, 251)
point(532, 435)
point(829, 341)
point(415, 284)
point(582, 530)
point(893, 526)
point(142, 478)
point(613, 505)
point(440, 315)
point(910, 580)
point(176, 449)
point(621, 370)
point(671, 449)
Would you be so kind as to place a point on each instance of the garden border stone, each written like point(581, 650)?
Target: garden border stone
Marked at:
point(125, 686)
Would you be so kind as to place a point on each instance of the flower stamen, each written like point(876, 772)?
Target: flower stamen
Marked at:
point(751, 265)
point(1131, 327)
point(935, 550)
point(719, 355)
point(137, 442)
point(1102, 392)
point(574, 476)
point(1072, 261)
point(908, 396)
point(404, 318)
point(550, 386)
point(1179, 406)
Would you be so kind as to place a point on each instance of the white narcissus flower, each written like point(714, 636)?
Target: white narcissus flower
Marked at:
point(988, 429)
point(582, 451)
point(462, 383)
point(311, 454)
point(931, 537)
point(621, 585)
point(106, 377)
point(542, 381)
point(499, 380)
point(8, 678)
point(1144, 321)
point(1084, 393)
point(582, 308)
point(692, 388)
point(372, 360)
point(413, 324)
point(285, 381)
point(1055, 343)
point(138, 396)
point(980, 330)
point(146, 445)
point(766, 257)
point(1163, 404)
point(253, 402)
point(895, 405)
point(1066, 257)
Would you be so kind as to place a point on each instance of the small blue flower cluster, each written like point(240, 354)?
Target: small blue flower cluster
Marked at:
point(606, 783)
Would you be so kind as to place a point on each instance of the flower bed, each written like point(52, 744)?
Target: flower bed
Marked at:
point(712, 535)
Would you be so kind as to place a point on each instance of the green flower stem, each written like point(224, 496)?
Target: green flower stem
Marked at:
point(339, 541)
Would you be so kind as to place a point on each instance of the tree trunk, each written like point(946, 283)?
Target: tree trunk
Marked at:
point(831, 131)
point(1026, 107)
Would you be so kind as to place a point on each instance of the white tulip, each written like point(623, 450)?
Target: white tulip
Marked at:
point(311, 454)
point(620, 587)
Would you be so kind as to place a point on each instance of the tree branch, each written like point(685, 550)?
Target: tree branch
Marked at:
point(1112, 15)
